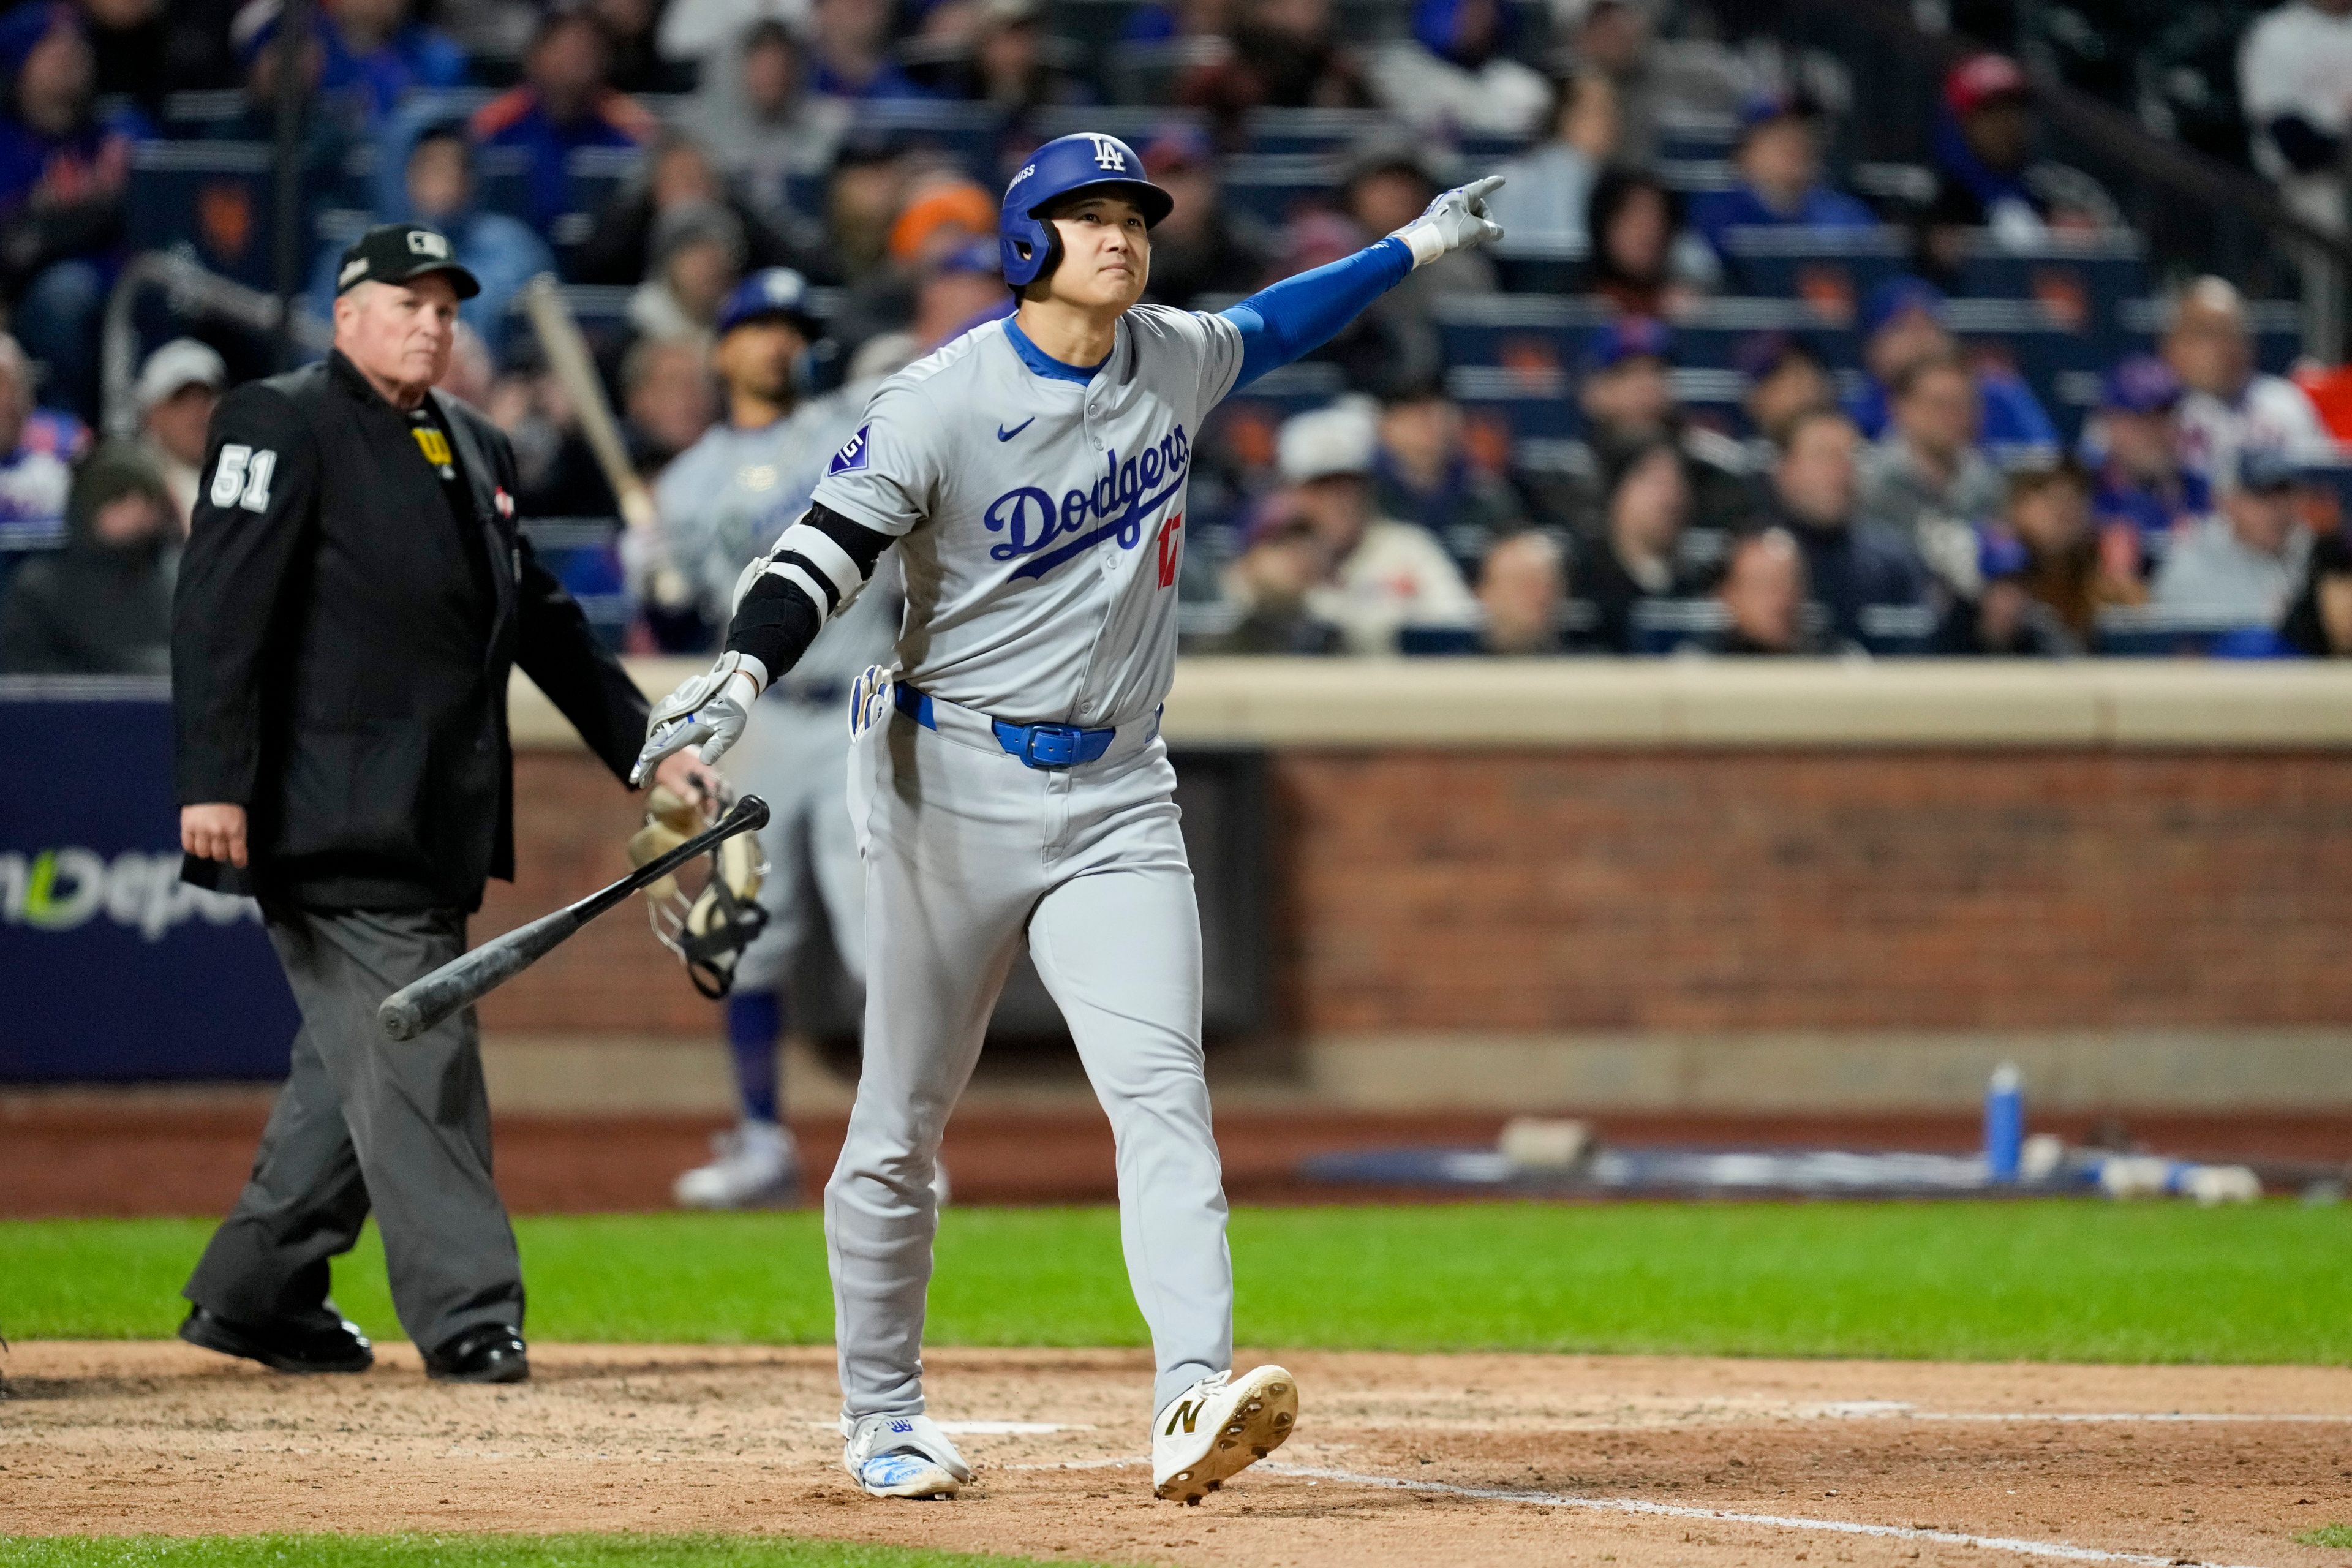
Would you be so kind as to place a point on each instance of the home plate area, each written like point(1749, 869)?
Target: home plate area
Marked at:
point(1398, 1458)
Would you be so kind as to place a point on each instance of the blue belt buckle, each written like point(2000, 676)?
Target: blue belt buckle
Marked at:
point(1051, 745)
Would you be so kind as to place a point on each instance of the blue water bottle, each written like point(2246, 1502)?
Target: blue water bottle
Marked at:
point(2004, 1123)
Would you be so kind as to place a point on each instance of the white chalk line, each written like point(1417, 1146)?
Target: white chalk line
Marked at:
point(2059, 1550)
point(987, 1428)
point(1878, 1409)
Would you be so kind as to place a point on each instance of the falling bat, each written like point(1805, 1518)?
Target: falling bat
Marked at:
point(420, 1004)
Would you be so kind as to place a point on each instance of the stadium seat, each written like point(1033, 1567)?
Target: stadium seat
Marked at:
point(1833, 269)
point(1669, 625)
point(1528, 401)
point(1712, 335)
point(212, 200)
point(1274, 187)
point(1515, 329)
point(2077, 278)
point(1541, 264)
point(2164, 631)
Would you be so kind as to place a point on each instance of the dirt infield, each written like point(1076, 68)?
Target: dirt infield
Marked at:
point(1398, 1460)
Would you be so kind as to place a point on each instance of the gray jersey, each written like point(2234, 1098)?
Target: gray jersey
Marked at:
point(1039, 521)
point(724, 501)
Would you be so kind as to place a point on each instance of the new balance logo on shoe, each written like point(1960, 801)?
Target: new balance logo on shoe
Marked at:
point(1188, 1411)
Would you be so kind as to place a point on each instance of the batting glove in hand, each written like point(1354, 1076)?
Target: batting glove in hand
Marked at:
point(708, 711)
point(1455, 221)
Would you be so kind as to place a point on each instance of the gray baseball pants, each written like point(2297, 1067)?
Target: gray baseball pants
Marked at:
point(969, 854)
point(365, 1122)
point(793, 756)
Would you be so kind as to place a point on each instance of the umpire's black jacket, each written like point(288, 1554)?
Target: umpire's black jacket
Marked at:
point(338, 668)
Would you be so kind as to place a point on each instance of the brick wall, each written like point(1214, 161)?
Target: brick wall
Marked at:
point(1688, 890)
point(1706, 891)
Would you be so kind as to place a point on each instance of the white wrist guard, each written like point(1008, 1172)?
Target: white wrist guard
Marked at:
point(1455, 221)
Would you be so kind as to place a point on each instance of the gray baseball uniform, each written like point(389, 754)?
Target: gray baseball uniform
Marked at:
point(1039, 514)
point(724, 501)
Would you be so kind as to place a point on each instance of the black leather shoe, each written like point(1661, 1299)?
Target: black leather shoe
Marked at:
point(490, 1353)
point(323, 1342)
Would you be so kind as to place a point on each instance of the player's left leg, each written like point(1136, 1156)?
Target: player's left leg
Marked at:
point(1119, 945)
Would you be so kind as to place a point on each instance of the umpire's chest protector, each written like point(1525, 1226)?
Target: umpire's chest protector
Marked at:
point(384, 775)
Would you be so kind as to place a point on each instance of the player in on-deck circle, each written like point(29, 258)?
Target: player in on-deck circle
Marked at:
point(722, 503)
point(1008, 784)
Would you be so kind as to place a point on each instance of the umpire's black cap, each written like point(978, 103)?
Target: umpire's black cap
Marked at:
point(401, 252)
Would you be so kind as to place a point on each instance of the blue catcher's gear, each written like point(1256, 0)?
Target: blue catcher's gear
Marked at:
point(1061, 167)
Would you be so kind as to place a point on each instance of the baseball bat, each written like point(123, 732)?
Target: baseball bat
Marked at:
point(574, 369)
point(420, 1004)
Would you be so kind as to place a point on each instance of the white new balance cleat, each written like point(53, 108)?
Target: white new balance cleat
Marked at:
point(1218, 1427)
point(903, 1456)
point(756, 1165)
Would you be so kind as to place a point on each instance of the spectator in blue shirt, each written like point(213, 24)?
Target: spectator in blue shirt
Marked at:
point(2133, 447)
point(1852, 566)
point(1902, 324)
point(849, 41)
point(63, 174)
point(1423, 473)
point(1779, 163)
point(437, 187)
point(564, 104)
point(378, 54)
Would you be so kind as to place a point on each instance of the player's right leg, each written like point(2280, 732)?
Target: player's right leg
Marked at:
point(950, 841)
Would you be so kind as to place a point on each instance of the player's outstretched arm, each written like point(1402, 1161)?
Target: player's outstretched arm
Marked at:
point(784, 598)
point(1298, 315)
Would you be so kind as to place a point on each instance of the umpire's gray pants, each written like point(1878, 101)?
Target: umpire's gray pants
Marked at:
point(404, 1126)
point(969, 854)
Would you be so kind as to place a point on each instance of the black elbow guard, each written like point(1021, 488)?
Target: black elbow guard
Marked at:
point(775, 623)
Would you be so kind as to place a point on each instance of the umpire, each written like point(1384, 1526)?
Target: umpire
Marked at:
point(353, 595)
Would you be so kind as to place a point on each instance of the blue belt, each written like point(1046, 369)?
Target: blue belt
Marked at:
point(1048, 746)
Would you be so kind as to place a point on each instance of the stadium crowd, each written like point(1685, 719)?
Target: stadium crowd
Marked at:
point(1727, 402)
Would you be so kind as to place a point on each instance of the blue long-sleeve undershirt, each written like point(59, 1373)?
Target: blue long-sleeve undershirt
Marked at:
point(1285, 321)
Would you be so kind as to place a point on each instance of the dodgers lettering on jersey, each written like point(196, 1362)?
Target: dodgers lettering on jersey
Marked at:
point(1041, 532)
point(1040, 519)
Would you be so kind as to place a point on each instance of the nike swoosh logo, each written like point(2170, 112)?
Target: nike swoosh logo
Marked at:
point(1004, 435)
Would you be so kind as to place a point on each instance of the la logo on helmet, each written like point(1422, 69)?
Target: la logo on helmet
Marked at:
point(1109, 154)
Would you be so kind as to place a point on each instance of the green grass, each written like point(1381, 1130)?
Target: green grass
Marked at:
point(470, 1552)
point(2327, 1535)
point(2059, 1282)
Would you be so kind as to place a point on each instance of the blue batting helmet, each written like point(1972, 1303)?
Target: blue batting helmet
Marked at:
point(772, 291)
point(1061, 167)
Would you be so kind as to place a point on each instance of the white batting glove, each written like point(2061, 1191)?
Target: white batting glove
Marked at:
point(708, 711)
point(1455, 221)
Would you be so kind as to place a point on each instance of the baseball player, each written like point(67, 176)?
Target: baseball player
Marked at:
point(1007, 780)
point(722, 503)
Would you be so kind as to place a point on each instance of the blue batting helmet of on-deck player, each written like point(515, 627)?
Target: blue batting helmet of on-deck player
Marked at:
point(771, 292)
point(1060, 168)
